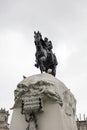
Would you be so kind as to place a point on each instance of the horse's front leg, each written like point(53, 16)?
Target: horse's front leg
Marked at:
point(36, 64)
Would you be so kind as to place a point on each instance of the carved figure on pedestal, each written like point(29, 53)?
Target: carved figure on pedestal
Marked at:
point(32, 122)
point(45, 58)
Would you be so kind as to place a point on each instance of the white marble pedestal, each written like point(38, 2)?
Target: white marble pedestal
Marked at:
point(59, 104)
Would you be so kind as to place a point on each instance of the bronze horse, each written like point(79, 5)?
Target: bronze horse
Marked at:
point(45, 59)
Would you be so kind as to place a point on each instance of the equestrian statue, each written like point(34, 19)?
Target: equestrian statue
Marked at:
point(45, 58)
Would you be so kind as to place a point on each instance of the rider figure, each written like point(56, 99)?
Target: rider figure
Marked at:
point(48, 47)
point(48, 44)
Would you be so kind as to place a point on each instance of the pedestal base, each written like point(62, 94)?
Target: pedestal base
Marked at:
point(54, 116)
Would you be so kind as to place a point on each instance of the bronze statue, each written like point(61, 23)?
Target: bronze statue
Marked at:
point(45, 58)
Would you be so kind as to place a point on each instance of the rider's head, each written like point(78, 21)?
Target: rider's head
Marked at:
point(46, 39)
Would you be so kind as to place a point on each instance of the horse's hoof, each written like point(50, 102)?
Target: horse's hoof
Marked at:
point(36, 65)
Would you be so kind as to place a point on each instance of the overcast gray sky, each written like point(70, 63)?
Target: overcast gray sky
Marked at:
point(64, 23)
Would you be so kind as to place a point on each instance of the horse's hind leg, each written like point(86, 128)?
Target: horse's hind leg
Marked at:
point(42, 67)
point(54, 71)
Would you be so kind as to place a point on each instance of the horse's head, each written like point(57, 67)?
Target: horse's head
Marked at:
point(37, 38)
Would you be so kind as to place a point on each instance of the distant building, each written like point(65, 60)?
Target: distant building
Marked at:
point(4, 119)
point(81, 124)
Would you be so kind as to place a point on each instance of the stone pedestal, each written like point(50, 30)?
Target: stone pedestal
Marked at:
point(52, 103)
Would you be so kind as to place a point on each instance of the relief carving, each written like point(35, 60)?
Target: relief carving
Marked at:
point(69, 103)
point(38, 90)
